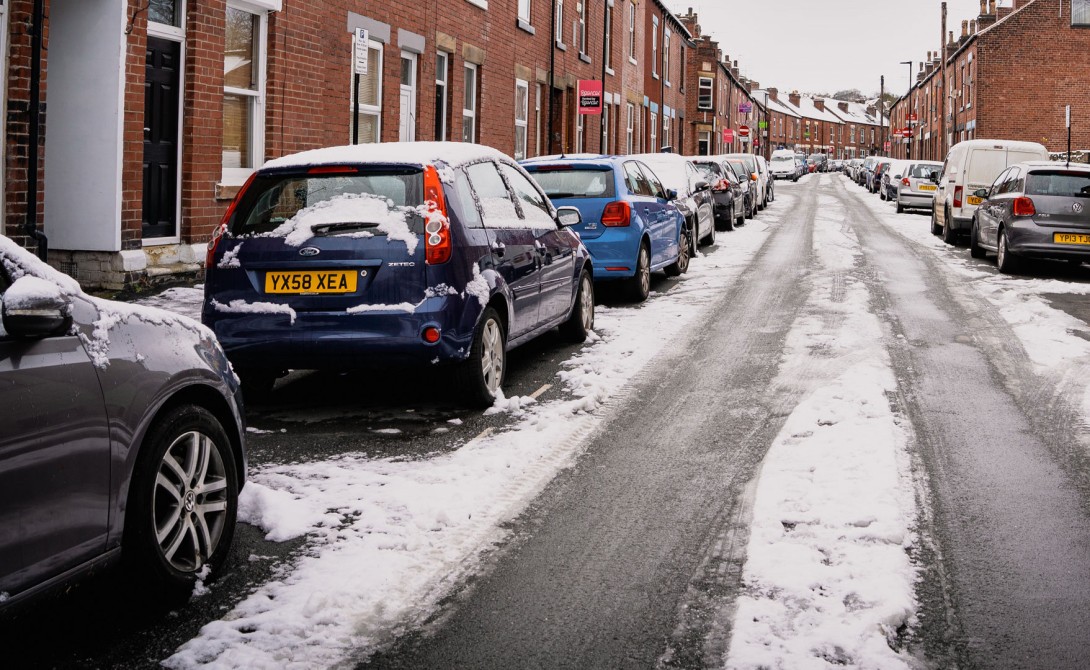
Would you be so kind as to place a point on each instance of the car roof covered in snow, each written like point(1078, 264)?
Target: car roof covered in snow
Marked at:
point(390, 153)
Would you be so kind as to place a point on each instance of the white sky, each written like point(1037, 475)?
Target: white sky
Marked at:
point(819, 46)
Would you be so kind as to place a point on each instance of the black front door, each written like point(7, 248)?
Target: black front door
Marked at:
point(161, 138)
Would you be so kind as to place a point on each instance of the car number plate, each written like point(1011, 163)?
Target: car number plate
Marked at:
point(973, 200)
point(311, 281)
point(926, 187)
point(1070, 238)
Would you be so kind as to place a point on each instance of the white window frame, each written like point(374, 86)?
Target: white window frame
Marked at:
point(632, 33)
point(522, 92)
point(559, 19)
point(666, 131)
point(441, 114)
point(525, 11)
point(238, 176)
point(364, 108)
point(666, 57)
point(603, 138)
point(607, 33)
point(413, 89)
point(471, 113)
point(580, 130)
point(705, 84)
point(581, 26)
point(1083, 12)
point(630, 125)
point(173, 33)
point(655, 47)
point(654, 132)
point(537, 120)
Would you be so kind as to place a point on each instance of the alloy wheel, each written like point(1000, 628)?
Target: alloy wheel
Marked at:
point(189, 503)
point(586, 302)
point(492, 355)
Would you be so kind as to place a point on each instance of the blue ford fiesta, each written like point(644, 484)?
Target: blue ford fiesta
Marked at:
point(391, 255)
point(630, 226)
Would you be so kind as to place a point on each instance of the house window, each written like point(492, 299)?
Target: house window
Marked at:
point(666, 58)
point(632, 32)
point(630, 120)
point(969, 87)
point(166, 12)
point(704, 143)
point(524, 11)
point(442, 68)
point(243, 93)
point(559, 22)
point(655, 47)
point(469, 104)
point(654, 132)
point(666, 138)
point(581, 26)
point(369, 111)
point(607, 50)
point(704, 90)
point(604, 134)
point(1080, 12)
point(537, 117)
point(522, 108)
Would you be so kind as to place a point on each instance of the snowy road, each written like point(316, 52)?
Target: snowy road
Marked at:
point(836, 442)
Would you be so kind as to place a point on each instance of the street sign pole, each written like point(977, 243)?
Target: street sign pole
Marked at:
point(359, 66)
point(356, 109)
point(1068, 134)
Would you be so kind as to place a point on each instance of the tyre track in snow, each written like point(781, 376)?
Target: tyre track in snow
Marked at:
point(1005, 560)
point(627, 559)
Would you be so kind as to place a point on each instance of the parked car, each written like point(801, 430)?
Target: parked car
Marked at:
point(863, 176)
point(852, 170)
point(800, 168)
point(694, 194)
point(761, 192)
point(783, 165)
point(970, 166)
point(630, 226)
point(891, 179)
point(746, 181)
point(730, 206)
point(820, 161)
point(1034, 210)
point(122, 441)
point(874, 177)
point(916, 189)
point(394, 255)
point(766, 179)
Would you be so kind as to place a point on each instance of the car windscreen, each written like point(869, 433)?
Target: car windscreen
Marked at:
point(331, 201)
point(783, 159)
point(568, 182)
point(924, 171)
point(1059, 182)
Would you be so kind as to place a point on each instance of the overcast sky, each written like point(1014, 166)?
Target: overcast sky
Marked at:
point(824, 46)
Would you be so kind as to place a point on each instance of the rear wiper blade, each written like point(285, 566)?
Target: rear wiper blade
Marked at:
point(561, 195)
point(346, 225)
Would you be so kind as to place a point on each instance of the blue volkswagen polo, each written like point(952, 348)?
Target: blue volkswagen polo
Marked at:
point(630, 225)
point(393, 254)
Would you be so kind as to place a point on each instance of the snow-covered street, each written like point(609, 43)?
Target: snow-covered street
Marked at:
point(836, 441)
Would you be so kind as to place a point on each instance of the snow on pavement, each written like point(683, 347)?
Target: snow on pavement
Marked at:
point(388, 538)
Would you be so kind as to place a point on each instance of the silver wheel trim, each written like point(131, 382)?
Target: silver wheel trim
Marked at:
point(586, 303)
point(1001, 249)
point(644, 270)
point(492, 356)
point(189, 501)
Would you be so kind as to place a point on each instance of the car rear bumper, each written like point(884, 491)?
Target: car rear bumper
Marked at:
point(613, 253)
point(915, 199)
point(1026, 238)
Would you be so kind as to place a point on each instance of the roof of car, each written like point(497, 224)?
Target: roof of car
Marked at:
point(1053, 165)
point(390, 153)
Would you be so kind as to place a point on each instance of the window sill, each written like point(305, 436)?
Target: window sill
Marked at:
point(523, 25)
point(483, 4)
point(610, 71)
point(655, 75)
point(227, 191)
point(561, 46)
point(583, 57)
point(632, 60)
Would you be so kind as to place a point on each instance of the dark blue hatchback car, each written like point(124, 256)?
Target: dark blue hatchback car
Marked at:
point(390, 255)
point(630, 225)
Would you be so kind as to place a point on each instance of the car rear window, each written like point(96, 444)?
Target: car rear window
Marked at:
point(358, 201)
point(710, 171)
point(1058, 182)
point(924, 171)
point(566, 182)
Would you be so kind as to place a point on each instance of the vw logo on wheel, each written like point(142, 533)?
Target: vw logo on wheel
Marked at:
point(1077, 208)
point(309, 251)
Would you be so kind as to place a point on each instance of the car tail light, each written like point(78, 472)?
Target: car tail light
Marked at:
point(957, 196)
point(333, 169)
point(617, 214)
point(221, 229)
point(438, 245)
point(906, 182)
point(431, 334)
point(1024, 207)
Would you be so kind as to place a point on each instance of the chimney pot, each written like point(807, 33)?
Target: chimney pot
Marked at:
point(964, 28)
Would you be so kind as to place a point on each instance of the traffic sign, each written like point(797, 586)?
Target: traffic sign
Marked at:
point(359, 62)
point(728, 135)
point(743, 131)
point(907, 132)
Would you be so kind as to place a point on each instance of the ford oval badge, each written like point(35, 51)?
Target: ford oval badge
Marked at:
point(309, 251)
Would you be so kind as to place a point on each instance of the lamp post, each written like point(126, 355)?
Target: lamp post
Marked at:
point(908, 106)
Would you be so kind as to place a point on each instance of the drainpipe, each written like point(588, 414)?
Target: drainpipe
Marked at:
point(552, 75)
point(31, 225)
point(601, 117)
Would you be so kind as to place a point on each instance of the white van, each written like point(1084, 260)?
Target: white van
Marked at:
point(783, 165)
point(973, 165)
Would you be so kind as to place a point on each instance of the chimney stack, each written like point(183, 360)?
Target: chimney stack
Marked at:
point(773, 94)
point(843, 106)
point(964, 29)
point(819, 103)
point(794, 98)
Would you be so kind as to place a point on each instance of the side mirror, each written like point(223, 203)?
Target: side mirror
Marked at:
point(671, 194)
point(934, 178)
point(35, 308)
point(701, 185)
point(568, 216)
point(981, 193)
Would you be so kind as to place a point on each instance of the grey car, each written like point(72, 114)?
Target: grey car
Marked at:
point(730, 205)
point(121, 440)
point(917, 189)
point(1034, 210)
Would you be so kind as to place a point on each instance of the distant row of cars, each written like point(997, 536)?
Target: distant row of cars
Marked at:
point(1003, 197)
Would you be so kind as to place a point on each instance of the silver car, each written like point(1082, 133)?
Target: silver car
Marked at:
point(1036, 209)
point(916, 189)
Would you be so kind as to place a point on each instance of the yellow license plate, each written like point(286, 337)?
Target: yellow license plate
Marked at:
point(973, 200)
point(1070, 238)
point(311, 281)
point(927, 187)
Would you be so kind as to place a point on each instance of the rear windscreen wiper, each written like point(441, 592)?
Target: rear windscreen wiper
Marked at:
point(346, 225)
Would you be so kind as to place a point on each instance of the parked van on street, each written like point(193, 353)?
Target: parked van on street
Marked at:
point(970, 166)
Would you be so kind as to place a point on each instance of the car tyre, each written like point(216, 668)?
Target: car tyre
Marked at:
point(975, 250)
point(480, 378)
point(949, 235)
point(581, 321)
point(709, 239)
point(639, 286)
point(1007, 262)
point(681, 265)
point(935, 230)
point(900, 208)
point(182, 505)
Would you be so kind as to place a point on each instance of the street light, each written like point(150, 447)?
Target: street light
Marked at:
point(908, 102)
